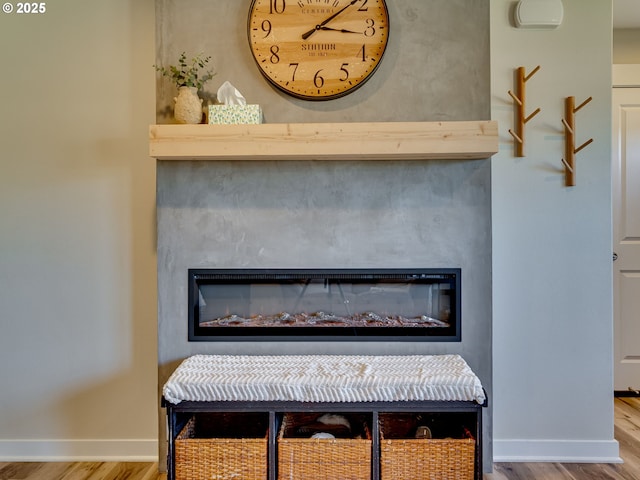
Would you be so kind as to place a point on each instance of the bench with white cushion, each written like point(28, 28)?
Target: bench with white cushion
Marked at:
point(324, 383)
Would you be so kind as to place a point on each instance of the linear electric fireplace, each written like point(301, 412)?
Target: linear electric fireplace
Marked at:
point(333, 304)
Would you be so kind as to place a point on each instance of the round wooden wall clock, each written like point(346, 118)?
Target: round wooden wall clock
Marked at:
point(318, 49)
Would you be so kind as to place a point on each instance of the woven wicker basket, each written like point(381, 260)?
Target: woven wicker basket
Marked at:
point(422, 459)
point(222, 446)
point(323, 459)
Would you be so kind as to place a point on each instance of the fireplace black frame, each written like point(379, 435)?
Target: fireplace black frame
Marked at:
point(197, 277)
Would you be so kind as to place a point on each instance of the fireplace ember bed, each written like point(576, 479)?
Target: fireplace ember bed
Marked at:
point(327, 304)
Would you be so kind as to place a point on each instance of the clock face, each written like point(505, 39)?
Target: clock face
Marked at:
point(318, 49)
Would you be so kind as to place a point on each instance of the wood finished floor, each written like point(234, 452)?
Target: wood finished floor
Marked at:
point(627, 432)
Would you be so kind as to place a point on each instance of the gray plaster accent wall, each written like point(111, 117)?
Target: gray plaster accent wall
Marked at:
point(323, 214)
point(436, 66)
point(360, 214)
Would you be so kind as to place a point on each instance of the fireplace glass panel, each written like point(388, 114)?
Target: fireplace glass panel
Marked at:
point(324, 304)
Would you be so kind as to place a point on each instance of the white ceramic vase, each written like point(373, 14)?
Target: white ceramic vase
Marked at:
point(188, 107)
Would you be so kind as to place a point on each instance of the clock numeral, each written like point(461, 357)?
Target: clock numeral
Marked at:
point(370, 31)
point(364, 55)
point(363, 7)
point(274, 54)
point(336, 3)
point(346, 72)
point(277, 6)
point(295, 69)
point(318, 80)
point(266, 28)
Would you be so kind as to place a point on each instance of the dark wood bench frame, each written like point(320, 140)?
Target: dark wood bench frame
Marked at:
point(178, 415)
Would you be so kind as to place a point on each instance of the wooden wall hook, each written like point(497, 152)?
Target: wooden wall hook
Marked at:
point(570, 150)
point(521, 118)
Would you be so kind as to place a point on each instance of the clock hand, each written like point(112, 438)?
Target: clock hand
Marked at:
point(318, 27)
point(341, 30)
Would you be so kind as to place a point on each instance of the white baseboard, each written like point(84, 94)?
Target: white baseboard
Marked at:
point(140, 450)
point(116, 450)
point(564, 451)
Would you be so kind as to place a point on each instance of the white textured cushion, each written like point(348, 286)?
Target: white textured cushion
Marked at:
point(323, 378)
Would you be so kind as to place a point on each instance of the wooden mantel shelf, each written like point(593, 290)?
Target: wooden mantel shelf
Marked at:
point(326, 141)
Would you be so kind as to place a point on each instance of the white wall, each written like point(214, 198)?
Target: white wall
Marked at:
point(553, 391)
point(626, 45)
point(77, 242)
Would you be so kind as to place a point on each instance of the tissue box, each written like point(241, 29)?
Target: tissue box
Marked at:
point(234, 114)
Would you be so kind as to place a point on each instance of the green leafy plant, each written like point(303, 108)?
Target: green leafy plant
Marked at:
point(188, 73)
